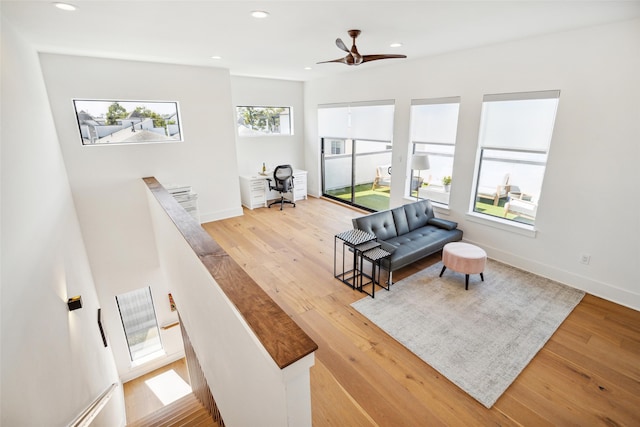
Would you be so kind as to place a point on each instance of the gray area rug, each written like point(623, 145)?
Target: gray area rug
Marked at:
point(480, 339)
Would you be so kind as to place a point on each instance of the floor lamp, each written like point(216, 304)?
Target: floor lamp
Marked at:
point(419, 162)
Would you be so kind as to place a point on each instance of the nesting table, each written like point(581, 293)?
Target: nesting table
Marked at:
point(364, 246)
point(374, 256)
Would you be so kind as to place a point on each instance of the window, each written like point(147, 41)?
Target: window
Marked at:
point(434, 125)
point(337, 146)
point(127, 122)
point(140, 324)
point(515, 134)
point(356, 147)
point(261, 121)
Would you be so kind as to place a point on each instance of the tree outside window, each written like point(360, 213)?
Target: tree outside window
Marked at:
point(256, 121)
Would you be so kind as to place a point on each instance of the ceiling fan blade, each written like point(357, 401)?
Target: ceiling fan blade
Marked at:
point(367, 58)
point(341, 45)
point(344, 60)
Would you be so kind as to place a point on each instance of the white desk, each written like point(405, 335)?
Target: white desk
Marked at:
point(255, 193)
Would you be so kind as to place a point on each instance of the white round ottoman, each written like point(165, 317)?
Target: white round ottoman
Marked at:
point(464, 258)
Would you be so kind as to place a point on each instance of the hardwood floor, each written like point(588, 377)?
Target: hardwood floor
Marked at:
point(588, 373)
point(138, 397)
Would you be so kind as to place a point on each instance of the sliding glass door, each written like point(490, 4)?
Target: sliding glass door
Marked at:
point(357, 172)
point(356, 153)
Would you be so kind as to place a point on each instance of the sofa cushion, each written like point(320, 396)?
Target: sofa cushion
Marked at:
point(417, 244)
point(418, 213)
point(400, 219)
point(380, 223)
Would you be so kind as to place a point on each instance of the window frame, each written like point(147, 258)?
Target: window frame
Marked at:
point(486, 149)
point(415, 143)
point(253, 133)
point(361, 126)
point(135, 360)
point(100, 122)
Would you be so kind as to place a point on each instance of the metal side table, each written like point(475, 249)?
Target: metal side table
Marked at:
point(374, 256)
point(355, 241)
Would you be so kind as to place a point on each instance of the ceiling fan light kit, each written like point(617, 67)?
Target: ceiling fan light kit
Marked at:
point(353, 56)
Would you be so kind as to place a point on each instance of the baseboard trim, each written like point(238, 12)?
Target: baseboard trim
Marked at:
point(151, 366)
point(223, 214)
point(594, 287)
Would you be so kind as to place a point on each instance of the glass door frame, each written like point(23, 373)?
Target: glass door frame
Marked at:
point(352, 144)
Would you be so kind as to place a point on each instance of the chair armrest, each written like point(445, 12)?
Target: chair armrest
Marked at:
point(443, 223)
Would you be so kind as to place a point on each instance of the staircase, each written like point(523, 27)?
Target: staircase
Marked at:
point(184, 412)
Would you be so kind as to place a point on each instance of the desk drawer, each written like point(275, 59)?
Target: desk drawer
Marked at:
point(257, 198)
point(258, 195)
point(257, 185)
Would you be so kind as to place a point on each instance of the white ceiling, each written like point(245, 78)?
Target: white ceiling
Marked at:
point(298, 33)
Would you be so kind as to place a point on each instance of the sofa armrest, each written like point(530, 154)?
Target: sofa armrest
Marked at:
point(443, 223)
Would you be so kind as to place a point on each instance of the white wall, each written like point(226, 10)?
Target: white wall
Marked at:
point(591, 198)
point(106, 180)
point(272, 150)
point(53, 361)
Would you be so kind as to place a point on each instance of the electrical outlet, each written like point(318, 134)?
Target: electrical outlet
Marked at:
point(585, 259)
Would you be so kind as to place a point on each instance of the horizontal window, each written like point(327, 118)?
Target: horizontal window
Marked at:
point(263, 121)
point(127, 122)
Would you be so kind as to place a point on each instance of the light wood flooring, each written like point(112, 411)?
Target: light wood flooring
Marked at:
point(139, 400)
point(588, 374)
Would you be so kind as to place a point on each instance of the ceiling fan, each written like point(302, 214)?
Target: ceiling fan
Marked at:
point(353, 56)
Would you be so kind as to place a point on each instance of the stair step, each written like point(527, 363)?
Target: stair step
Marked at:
point(184, 412)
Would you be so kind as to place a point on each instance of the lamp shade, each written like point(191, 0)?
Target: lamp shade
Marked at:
point(420, 162)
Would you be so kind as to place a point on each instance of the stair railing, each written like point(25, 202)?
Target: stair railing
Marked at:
point(90, 412)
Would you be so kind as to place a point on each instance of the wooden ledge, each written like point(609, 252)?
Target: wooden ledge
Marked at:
point(283, 339)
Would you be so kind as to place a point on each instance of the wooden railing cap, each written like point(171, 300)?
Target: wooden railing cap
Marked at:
point(283, 339)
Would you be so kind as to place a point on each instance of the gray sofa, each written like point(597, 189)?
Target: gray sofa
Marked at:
point(409, 233)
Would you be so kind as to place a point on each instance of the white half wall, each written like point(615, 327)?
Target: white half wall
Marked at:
point(54, 363)
point(247, 385)
point(272, 150)
point(591, 198)
point(106, 180)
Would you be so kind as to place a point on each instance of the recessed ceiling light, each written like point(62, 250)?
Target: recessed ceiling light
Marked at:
point(216, 57)
point(260, 14)
point(65, 6)
point(307, 68)
point(395, 45)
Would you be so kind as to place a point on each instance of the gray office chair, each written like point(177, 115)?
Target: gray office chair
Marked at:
point(283, 183)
